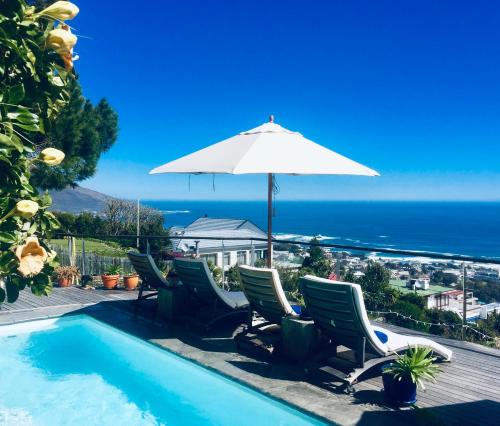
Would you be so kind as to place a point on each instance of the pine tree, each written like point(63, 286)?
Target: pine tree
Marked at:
point(83, 132)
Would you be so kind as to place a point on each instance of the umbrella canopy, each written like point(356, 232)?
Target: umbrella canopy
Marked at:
point(268, 149)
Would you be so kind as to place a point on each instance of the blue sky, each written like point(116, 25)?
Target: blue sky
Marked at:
point(411, 89)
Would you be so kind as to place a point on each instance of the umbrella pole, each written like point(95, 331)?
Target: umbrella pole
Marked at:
point(269, 220)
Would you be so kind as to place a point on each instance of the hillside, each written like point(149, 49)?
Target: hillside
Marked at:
point(76, 200)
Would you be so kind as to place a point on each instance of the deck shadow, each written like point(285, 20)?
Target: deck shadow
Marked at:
point(483, 412)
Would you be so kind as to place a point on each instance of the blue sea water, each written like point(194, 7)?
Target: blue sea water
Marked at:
point(78, 371)
point(471, 228)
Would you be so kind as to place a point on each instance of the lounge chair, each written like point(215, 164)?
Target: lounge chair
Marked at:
point(338, 310)
point(198, 280)
point(149, 273)
point(262, 287)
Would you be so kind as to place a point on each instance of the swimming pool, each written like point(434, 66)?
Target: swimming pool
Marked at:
point(79, 371)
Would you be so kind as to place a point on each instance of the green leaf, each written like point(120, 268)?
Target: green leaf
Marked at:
point(33, 228)
point(57, 81)
point(20, 282)
point(15, 94)
point(7, 237)
point(12, 291)
point(5, 140)
point(25, 117)
point(28, 127)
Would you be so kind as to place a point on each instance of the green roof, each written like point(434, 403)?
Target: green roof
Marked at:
point(433, 289)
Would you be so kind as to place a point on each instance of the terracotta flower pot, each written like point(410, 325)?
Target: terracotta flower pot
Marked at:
point(64, 282)
point(130, 282)
point(110, 281)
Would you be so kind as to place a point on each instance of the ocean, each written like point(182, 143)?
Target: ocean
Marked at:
point(470, 228)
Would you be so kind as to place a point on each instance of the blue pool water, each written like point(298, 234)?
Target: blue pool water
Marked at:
point(78, 371)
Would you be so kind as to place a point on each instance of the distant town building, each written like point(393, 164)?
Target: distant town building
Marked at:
point(422, 283)
point(486, 274)
point(489, 309)
point(402, 274)
point(444, 298)
point(221, 253)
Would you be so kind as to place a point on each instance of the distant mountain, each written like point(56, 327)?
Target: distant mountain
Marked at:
point(77, 200)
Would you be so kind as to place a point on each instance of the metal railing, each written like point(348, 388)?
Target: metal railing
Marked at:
point(346, 247)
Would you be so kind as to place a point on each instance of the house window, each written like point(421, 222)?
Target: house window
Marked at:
point(210, 258)
point(242, 257)
point(442, 301)
point(227, 259)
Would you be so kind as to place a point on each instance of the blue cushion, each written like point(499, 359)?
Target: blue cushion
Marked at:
point(381, 336)
point(297, 309)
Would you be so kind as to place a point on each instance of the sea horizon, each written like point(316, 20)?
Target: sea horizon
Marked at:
point(294, 200)
point(458, 227)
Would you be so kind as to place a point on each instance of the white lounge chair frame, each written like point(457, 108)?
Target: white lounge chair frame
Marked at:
point(262, 288)
point(338, 310)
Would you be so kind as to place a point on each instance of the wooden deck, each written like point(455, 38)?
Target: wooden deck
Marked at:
point(467, 390)
point(62, 300)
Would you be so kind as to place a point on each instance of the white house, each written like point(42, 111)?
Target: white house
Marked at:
point(222, 253)
point(421, 283)
point(488, 309)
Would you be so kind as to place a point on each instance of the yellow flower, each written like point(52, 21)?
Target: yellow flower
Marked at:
point(31, 256)
point(61, 10)
point(61, 40)
point(26, 209)
point(52, 156)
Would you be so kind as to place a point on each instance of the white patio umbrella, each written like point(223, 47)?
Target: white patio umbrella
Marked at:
point(269, 149)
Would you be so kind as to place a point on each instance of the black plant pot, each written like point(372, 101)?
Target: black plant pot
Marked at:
point(400, 392)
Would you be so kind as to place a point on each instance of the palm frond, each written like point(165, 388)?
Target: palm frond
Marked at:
point(416, 364)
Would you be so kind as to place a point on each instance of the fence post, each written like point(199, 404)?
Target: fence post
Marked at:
point(71, 250)
point(223, 272)
point(138, 224)
point(337, 266)
point(84, 260)
point(464, 303)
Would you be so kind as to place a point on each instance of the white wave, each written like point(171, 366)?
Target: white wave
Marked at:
point(303, 238)
point(175, 211)
point(383, 236)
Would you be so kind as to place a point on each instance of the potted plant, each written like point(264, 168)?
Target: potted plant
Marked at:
point(111, 276)
point(66, 275)
point(409, 371)
point(130, 281)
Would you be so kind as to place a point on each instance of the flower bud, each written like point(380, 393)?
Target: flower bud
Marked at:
point(52, 156)
point(61, 10)
point(26, 209)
